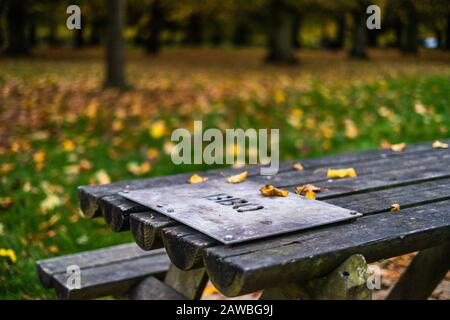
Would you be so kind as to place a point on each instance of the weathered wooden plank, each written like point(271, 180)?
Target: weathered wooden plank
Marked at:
point(146, 229)
point(153, 289)
point(300, 257)
point(346, 282)
point(185, 245)
point(189, 283)
point(100, 270)
point(90, 259)
point(117, 213)
point(90, 195)
point(116, 278)
point(116, 210)
point(423, 275)
point(378, 201)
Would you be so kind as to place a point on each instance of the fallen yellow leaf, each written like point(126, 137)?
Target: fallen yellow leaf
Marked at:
point(305, 188)
point(85, 165)
point(68, 145)
point(138, 169)
point(395, 207)
point(270, 191)
point(39, 156)
point(310, 194)
point(8, 253)
point(53, 249)
point(297, 167)
point(158, 129)
point(238, 178)
point(102, 177)
point(341, 173)
point(440, 145)
point(209, 290)
point(5, 202)
point(196, 179)
point(6, 168)
point(399, 147)
point(152, 153)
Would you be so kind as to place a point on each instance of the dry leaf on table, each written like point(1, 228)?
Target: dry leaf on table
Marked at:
point(395, 207)
point(271, 191)
point(196, 179)
point(399, 147)
point(440, 145)
point(238, 178)
point(342, 173)
point(297, 167)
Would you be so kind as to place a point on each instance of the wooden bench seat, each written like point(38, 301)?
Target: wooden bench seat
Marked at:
point(109, 271)
point(418, 179)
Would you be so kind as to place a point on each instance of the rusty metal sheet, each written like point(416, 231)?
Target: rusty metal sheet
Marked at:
point(234, 213)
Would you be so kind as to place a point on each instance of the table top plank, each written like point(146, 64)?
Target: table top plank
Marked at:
point(116, 209)
point(185, 245)
point(89, 196)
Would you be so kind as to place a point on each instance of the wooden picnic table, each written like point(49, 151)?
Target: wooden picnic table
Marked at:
point(298, 264)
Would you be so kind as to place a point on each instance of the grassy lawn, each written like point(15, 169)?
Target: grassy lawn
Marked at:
point(59, 129)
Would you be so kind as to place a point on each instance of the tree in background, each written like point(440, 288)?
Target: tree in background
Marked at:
point(281, 24)
point(17, 23)
point(411, 27)
point(359, 32)
point(115, 45)
point(2, 35)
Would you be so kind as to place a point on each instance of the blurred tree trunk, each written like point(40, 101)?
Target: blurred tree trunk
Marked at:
point(2, 35)
point(194, 32)
point(242, 33)
point(359, 41)
point(153, 45)
point(340, 34)
point(16, 18)
point(411, 28)
point(217, 34)
point(447, 33)
point(96, 32)
point(398, 30)
point(296, 29)
point(280, 44)
point(438, 35)
point(372, 38)
point(32, 36)
point(52, 37)
point(115, 46)
point(78, 36)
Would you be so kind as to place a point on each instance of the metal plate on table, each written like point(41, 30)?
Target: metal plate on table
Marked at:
point(234, 213)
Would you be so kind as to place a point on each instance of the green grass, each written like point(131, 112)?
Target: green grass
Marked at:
point(316, 120)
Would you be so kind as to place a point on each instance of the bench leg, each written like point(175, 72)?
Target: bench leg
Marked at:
point(153, 289)
point(189, 283)
point(348, 281)
point(423, 275)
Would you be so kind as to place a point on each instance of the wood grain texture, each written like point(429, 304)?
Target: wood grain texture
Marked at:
point(153, 289)
point(347, 282)
point(146, 229)
point(300, 257)
point(373, 174)
point(384, 173)
point(116, 210)
point(185, 245)
point(89, 196)
point(103, 272)
point(188, 283)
